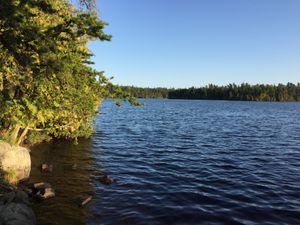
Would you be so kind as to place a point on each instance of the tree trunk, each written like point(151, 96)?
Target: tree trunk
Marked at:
point(23, 135)
point(14, 134)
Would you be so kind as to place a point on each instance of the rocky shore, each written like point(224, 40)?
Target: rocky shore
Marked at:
point(17, 199)
point(15, 209)
point(15, 166)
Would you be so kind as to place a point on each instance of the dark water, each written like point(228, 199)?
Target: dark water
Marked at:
point(180, 162)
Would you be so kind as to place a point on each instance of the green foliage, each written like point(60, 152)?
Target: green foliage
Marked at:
point(244, 92)
point(46, 83)
point(146, 92)
point(36, 137)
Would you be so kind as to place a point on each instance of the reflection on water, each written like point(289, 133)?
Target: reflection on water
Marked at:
point(71, 177)
point(180, 162)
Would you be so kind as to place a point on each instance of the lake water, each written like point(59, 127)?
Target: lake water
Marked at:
point(179, 162)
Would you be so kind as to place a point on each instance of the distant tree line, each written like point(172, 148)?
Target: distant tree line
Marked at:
point(139, 92)
point(244, 92)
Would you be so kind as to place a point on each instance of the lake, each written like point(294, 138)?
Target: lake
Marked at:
point(179, 162)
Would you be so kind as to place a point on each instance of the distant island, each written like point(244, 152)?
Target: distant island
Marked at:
point(244, 92)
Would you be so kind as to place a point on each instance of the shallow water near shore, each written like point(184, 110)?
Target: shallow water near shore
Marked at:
point(178, 162)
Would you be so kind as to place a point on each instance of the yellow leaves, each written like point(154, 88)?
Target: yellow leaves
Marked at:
point(41, 118)
point(56, 104)
point(36, 58)
point(83, 48)
point(63, 35)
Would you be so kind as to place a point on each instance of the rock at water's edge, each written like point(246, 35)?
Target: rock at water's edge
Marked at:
point(105, 179)
point(15, 209)
point(16, 214)
point(15, 159)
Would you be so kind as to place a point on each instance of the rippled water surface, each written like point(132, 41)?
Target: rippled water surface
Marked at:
point(179, 162)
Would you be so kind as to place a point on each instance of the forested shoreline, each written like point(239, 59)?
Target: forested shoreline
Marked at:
point(140, 92)
point(244, 92)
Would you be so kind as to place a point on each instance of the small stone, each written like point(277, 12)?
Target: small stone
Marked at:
point(50, 169)
point(42, 191)
point(47, 168)
point(44, 167)
point(49, 193)
point(74, 166)
point(45, 194)
point(41, 185)
point(106, 180)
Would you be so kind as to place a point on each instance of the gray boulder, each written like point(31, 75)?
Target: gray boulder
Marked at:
point(16, 214)
point(15, 209)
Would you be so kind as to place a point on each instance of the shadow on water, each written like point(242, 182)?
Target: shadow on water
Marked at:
point(71, 178)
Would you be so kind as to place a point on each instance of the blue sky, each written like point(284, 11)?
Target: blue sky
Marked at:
point(183, 43)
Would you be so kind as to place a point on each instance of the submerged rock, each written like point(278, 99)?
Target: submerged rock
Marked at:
point(41, 185)
point(46, 193)
point(45, 168)
point(74, 166)
point(40, 191)
point(105, 179)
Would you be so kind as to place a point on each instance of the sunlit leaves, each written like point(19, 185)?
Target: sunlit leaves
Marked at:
point(45, 81)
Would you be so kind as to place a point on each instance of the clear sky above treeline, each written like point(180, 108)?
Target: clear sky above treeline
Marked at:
point(182, 43)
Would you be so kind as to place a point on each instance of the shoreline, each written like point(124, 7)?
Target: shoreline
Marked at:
point(15, 202)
